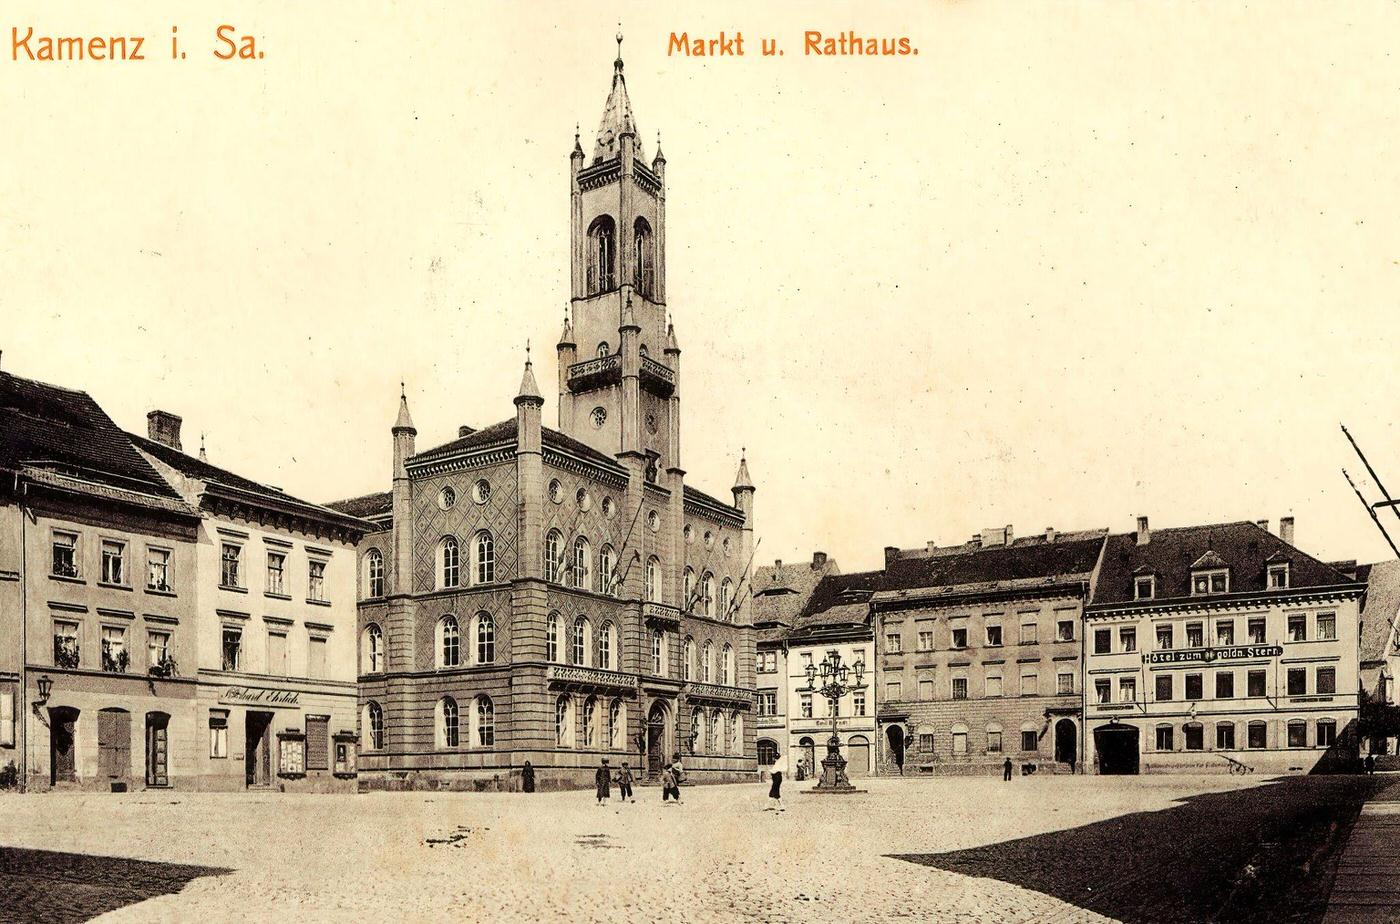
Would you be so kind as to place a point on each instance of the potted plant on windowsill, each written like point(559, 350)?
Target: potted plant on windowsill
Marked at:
point(65, 652)
point(165, 667)
point(115, 660)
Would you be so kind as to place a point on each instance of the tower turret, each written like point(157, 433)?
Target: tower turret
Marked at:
point(404, 434)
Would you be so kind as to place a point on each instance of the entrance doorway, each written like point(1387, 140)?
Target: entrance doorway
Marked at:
point(257, 749)
point(808, 749)
point(656, 739)
point(894, 736)
point(1117, 747)
point(157, 749)
point(1066, 742)
point(114, 747)
point(63, 756)
point(858, 756)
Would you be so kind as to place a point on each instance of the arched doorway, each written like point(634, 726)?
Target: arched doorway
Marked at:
point(858, 756)
point(807, 749)
point(1117, 747)
point(894, 736)
point(1066, 742)
point(656, 738)
point(114, 746)
point(63, 748)
point(157, 749)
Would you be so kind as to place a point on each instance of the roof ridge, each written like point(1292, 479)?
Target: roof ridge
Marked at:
point(71, 391)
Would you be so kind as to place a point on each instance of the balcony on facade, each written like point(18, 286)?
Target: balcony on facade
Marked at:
point(604, 371)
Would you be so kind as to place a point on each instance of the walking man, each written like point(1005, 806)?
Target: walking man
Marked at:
point(624, 784)
point(775, 792)
point(668, 785)
point(1006, 770)
point(603, 780)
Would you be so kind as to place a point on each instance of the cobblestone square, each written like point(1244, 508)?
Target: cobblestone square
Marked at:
point(1048, 849)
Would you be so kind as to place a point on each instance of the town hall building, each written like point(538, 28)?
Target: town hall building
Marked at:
point(562, 596)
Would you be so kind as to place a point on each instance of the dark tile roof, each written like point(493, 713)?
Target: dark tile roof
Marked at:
point(67, 431)
point(504, 433)
point(1169, 554)
point(697, 495)
point(839, 601)
point(366, 506)
point(1382, 604)
point(782, 593)
point(1071, 556)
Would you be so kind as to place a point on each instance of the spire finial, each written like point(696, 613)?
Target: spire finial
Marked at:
point(203, 456)
point(403, 390)
point(527, 351)
point(618, 63)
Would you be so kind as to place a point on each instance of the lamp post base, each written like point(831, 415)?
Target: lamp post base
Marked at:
point(834, 779)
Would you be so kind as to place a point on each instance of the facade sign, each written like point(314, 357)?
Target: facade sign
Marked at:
point(259, 696)
point(1207, 655)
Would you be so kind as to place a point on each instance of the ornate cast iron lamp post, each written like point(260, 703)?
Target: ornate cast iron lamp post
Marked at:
point(836, 681)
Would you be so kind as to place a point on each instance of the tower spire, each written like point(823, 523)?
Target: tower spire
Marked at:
point(404, 421)
point(529, 390)
point(618, 127)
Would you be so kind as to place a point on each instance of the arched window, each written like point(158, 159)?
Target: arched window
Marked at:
point(603, 350)
point(554, 557)
point(485, 638)
point(707, 594)
point(767, 752)
point(643, 261)
point(688, 661)
point(449, 642)
point(582, 641)
point(583, 564)
point(372, 727)
point(602, 255)
point(374, 573)
point(717, 736)
point(707, 660)
point(485, 551)
point(653, 582)
point(607, 568)
point(688, 589)
point(373, 650)
point(485, 722)
point(448, 562)
point(736, 733)
point(554, 633)
point(617, 725)
point(590, 721)
point(564, 721)
point(726, 665)
point(697, 731)
point(658, 652)
point(606, 646)
point(447, 734)
point(726, 595)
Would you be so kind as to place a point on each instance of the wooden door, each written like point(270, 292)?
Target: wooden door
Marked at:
point(113, 745)
point(257, 754)
point(63, 731)
point(157, 749)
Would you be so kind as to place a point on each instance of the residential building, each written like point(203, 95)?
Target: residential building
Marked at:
point(563, 596)
point(781, 593)
point(1380, 650)
point(97, 602)
point(274, 626)
point(978, 653)
point(1220, 646)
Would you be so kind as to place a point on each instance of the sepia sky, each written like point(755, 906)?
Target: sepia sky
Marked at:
point(1073, 263)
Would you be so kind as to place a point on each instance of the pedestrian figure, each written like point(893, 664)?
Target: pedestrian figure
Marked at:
point(603, 780)
point(679, 772)
point(775, 791)
point(801, 769)
point(1370, 764)
point(670, 788)
point(1006, 770)
point(527, 778)
point(624, 784)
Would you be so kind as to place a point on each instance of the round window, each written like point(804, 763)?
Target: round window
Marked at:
point(609, 508)
point(727, 548)
point(446, 498)
point(556, 491)
point(688, 533)
point(599, 417)
point(585, 502)
point(709, 539)
point(653, 521)
point(481, 491)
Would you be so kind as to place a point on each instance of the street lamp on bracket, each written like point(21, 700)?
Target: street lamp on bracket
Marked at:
point(837, 679)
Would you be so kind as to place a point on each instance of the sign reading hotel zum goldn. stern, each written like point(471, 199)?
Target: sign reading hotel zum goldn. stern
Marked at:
point(259, 696)
point(1208, 655)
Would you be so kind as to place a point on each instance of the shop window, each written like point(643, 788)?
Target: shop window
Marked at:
point(291, 761)
point(218, 733)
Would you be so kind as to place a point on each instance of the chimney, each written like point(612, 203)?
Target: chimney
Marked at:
point(1262, 524)
point(778, 565)
point(818, 560)
point(1285, 529)
point(992, 537)
point(975, 541)
point(465, 430)
point(931, 546)
point(1144, 535)
point(164, 427)
point(891, 554)
point(1006, 537)
point(1050, 534)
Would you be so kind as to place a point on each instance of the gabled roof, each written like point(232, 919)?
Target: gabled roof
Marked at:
point(839, 602)
point(59, 430)
point(366, 506)
point(1171, 553)
point(1211, 560)
point(781, 593)
point(1380, 612)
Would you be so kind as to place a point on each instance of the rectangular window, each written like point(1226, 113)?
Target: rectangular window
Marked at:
point(1224, 632)
point(893, 643)
point(992, 685)
point(1225, 736)
point(1297, 735)
point(806, 705)
point(1030, 684)
point(1064, 630)
point(1195, 635)
point(993, 636)
point(114, 654)
point(65, 554)
point(316, 657)
point(218, 734)
point(1165, 740)
point(1064, 683)
point(959, 688)
point(1298, 627)
point(1278, 577)
point(1164, 637)
point(1127, 638)
point(158, 570)
point(318, 742)
point(1326, 680)
point(1103, 690)
point(316, 581)
point(1327, 626)
point(1219, 582)
point(833, 708)
point(66, 652)
point(276, 566)
point(1224, 684)
point(232, 649)
point(7, 719)
point(1195, 686)
point(892, 691)
point(1256, 630)
point(113, 562)
point(1029, 633)
point(1257, 735)
point(1029, 741)
point(1326, 733)
point(1195, 734)
point(1103, 641)
point(277, 654)
point(959, 742)
point(1127, 689)
point(1297, 681)
point(960, 638)
point(925, 690)
point(925, 633)
point(767, 702)
point(1143, 588)
point(993, 742)
point(925, 743)
point(1164, 688)
point(1254, 683)
point(858, 702)
point(229, 574)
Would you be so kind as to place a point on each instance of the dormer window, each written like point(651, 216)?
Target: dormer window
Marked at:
point(1210, 575)
point(1144, 587)
point(1278, 576)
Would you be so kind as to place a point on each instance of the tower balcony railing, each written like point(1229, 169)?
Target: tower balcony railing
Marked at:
point(714, 692)
point(570, 675)
point(657, 378)
point(594, 373)
point(661, 613)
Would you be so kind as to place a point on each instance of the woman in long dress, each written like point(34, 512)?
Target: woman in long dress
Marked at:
point(775, 791)
point(527, 778)
point(603, 780)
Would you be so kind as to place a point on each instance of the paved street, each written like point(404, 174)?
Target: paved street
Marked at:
point(1047, 849)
